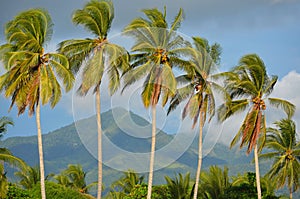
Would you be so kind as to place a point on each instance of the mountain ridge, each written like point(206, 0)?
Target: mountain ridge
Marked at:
point(64, 146)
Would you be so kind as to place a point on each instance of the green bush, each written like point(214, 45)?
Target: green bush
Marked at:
point(140, 192)
point(14, 192)
point(56, 191)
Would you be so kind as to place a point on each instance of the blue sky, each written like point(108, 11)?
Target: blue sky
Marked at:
point(270, 28)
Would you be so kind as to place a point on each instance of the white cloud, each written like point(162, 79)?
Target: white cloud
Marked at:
point(288, 88)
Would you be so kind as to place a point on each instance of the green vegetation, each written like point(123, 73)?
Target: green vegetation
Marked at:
point(34, 78)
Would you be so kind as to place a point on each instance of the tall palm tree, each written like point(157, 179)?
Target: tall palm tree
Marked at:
point(198, 89)
point(100, 56)
point(31, 77)
point(179, 187)
point(285, 150)
point(157, 50)
point(249, 87)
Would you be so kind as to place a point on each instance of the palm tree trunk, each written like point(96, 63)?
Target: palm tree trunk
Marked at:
point(291, 193)
point(257, 172)
point(150, 178)
point(40, 148)
point(201, 123)
point(99, 127)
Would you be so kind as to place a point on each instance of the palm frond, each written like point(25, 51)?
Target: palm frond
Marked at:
point(92, 73)
point(76, 51)
point(177, 21)
point(181, 94)
point(61, 66)
point(96, 17)
point(136, 74)
point(270, 85)
point(288, 107)
point(230, 108)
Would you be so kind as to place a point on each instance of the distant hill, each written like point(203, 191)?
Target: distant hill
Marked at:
point(64, 146)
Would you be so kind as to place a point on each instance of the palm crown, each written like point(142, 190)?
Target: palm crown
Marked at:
point(157, 50)
point(32, 72)
point(96, 17)
point(249, 86)
point(198, 85)
point(286, 151)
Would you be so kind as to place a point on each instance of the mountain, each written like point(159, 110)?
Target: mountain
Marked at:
point(72, 145)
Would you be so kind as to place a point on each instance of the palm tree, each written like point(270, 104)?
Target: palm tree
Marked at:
point(180, 186)
point(157, 50)
point(128, 181)
point(214, 182)
point(29, 177)
point(244, 186)
point(198, 90)
point(4, 122)
point(285, 150)
point(31, 77)
point(101, 56)
point(7, 157)
point(74, 177)
point(249, 87)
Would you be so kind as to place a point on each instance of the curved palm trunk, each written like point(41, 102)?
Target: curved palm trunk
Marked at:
point(150, 178)
point(99, 129)
point(257, 172)
point(199, 156)
point(40, 148)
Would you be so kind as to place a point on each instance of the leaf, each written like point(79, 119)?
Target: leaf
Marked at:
point(288, 107)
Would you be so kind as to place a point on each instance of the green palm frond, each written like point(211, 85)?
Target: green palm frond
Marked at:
point(179, 186)
point(137, 73)
point(230, 108)
point(4, 122)
point(76, 50)
point(28, 177)
point(288, 107)
point(60, 65)
point(214, 182)
point(270, 86)
point(92, 73)
point(201, 44)
point(13, 160)
point(177, 21)
point(96, 17)
point(30, 30)
point(156, 17)
point(137, 23)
